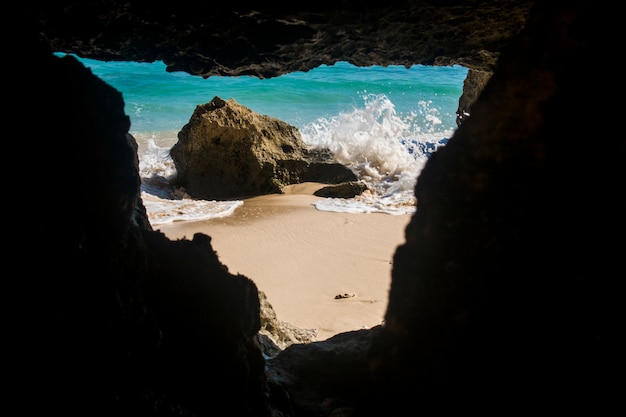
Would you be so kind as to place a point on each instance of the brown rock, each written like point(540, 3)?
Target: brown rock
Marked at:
point(228, 151)
point(343, 190)
point(276, 335)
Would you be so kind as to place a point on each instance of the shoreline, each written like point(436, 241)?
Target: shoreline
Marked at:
point(305, 260)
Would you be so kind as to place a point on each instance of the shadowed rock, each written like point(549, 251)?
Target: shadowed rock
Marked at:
point(266, 40)
point(505, 297)
point(120, 320)
point(343, 190)
point(324, 377)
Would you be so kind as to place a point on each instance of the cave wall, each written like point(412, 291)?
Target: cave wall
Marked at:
point(503, 298)
point(505, 282)
point(266, 39)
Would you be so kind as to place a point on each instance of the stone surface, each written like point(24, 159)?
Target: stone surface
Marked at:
point(208, 320)
point(266, 39)
point(326, 377)
point(227, 151)
point(278, 334)
point(343, 190)
point(473, 85)
point(505, 297)
point(501, 296)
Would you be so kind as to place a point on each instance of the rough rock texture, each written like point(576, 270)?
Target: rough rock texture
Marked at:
point(267, 39)
point(504, 299)
point(227, 151)
point(278, 334)
point(473, 85)
point(343, 190)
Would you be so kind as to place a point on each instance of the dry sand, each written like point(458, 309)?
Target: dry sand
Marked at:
point(302, 258)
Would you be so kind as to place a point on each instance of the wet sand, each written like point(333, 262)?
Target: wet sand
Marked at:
point(305, 260)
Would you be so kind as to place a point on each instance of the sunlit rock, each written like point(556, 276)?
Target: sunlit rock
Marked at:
point(229, 151)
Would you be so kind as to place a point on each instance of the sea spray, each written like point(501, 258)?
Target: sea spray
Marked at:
point(386, 150)
point(383, 122)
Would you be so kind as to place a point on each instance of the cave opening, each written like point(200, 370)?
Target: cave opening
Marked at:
point(323, 263)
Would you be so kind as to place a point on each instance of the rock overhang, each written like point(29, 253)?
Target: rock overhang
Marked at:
point(262, 40)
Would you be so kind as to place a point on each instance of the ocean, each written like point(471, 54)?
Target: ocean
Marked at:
point(382, 122)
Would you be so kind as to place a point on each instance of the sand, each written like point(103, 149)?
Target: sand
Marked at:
point(303, 258)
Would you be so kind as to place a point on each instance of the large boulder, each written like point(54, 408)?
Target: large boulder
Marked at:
point(229, 151)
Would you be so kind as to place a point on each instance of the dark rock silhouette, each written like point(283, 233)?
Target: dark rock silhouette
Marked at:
point(343, 190)
point(504, 297)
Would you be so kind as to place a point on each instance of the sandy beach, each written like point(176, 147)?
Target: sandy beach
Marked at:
point(303, 258)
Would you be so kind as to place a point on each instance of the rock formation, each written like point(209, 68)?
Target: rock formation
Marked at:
point(115, 319)
point(275, 334)
point(504, 298)
point(266, 40)
point(227, 151)
point(343, 190)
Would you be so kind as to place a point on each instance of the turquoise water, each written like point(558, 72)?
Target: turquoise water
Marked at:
point(382, 122)
point(157, 100)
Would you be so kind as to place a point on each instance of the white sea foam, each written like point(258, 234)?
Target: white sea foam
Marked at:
point(386, 150)
point(161, 211)
point(165, 203)
point(381, 122)
point(394, 204)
